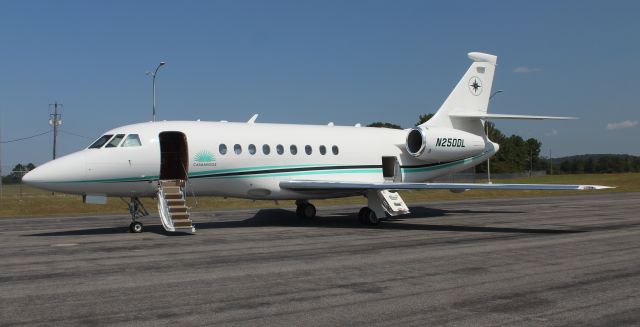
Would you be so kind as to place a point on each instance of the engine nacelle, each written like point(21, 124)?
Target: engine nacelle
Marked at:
point(442, 144)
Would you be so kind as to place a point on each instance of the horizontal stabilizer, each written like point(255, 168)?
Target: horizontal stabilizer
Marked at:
point(503, 116)
point(329, 185)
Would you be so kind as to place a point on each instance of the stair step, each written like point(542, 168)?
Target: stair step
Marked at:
point(172, 183)
point(171, 189)
point(179, 215)
point(173, 197)
point(177, 209)
point(182, 223)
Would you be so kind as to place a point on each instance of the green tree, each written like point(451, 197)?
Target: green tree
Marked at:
point(423, 118)
point(384, 125)
point(589, 166)
point(15, 176)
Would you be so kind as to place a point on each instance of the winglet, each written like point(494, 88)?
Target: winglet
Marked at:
point(252, 120)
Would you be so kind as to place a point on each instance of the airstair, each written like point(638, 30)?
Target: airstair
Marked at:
point(392, 203)
point(172, 206)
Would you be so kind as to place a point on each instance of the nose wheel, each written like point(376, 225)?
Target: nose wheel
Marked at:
point(135, 227)
point(137, 210)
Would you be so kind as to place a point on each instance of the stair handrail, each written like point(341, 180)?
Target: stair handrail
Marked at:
point(164, 209)
point(188, 183)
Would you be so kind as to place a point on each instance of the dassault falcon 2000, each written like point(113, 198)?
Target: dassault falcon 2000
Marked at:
point(170, 159)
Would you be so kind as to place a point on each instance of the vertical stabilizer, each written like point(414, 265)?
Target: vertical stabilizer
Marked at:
point(471, 95)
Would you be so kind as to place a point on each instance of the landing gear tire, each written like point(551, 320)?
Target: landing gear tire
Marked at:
point(306, 211)
point(135, 227)
point(368, 217)
point(363, 214)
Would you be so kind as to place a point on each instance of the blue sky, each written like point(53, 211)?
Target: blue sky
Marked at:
point(315, 62)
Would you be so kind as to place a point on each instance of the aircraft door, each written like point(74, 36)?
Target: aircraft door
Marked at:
point(391, 169)
point(174, 156)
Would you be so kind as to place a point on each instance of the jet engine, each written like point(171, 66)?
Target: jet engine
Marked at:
point(443, 144)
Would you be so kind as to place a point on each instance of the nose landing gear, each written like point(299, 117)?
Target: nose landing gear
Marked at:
point(137, 210)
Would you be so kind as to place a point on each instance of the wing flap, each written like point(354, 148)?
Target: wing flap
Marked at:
point(301, 185)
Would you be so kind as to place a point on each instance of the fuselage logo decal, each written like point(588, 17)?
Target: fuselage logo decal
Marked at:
point(475, 85)
point(204, 158)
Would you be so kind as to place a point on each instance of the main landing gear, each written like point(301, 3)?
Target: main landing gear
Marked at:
point(305, 210)
point(368, 217)
point(137, 210)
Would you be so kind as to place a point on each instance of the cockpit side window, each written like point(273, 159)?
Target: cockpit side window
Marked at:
point(115, 141)
point(101, 141)
point(131, 140)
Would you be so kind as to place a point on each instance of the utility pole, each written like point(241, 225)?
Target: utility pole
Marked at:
point(530, 161)
point(550, 163)
point(1, 158)
point(486, 123)
point(55, 121)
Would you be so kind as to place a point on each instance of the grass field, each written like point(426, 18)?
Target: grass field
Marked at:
point(24, 201)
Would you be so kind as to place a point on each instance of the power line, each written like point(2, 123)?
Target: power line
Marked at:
point(26, 138)
point(74, 134)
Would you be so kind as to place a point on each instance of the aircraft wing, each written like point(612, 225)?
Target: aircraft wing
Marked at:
point(504, 116)
point(302, 185)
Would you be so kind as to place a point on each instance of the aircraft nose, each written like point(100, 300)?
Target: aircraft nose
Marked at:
point(61, 174)
point(31, 177)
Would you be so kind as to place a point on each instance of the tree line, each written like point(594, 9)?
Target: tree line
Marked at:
point(15, 176)
point(598, 163)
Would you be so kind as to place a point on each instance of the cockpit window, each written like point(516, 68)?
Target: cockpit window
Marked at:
point(101, 141)
point(115, 141)
point(132, 140)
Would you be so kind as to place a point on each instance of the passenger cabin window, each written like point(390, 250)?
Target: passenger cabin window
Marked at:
point(266, 149)
point(334, 149)
point(131, 140)
point(115, 141)
point(252, 149)
point(308, 149)
point(293, 149)
point(237, 149)
point(222, 149)
point(323, 150)
point(101, 141)
point(279, 149)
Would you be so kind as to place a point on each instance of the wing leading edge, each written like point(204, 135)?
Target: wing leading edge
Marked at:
point(301, 185)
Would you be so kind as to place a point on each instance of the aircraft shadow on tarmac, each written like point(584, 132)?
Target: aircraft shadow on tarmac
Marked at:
point(287, 218)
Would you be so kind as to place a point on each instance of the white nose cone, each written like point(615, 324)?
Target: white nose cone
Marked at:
point(65, 174)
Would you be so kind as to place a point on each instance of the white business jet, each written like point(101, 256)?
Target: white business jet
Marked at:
point(170, 159)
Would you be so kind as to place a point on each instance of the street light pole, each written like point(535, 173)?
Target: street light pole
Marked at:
point(153, 76)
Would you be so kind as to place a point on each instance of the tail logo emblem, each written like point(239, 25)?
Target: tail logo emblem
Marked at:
point(475, 86)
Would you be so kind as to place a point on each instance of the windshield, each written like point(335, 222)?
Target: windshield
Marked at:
point(101, 141)
point(132, 140)
point(115, 141)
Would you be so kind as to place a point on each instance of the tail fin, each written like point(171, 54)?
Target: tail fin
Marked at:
point(469, 97)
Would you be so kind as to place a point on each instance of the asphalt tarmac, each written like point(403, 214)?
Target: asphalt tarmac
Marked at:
point(556, 261)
